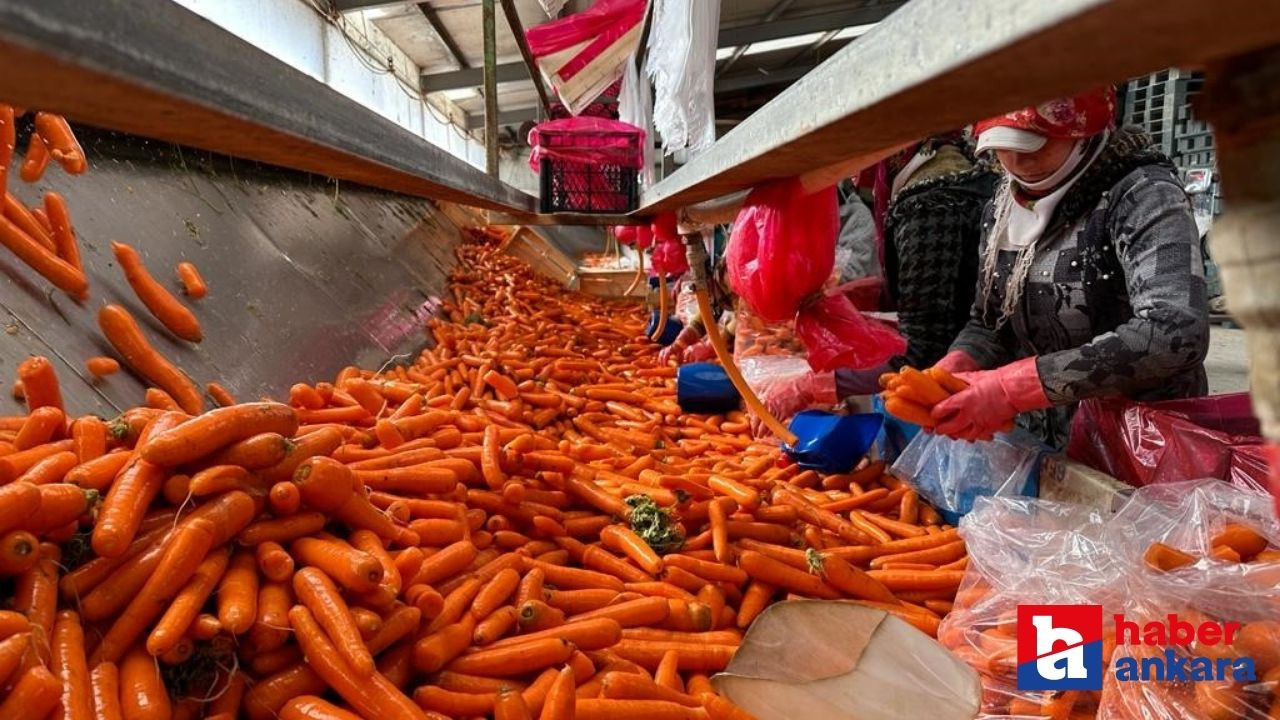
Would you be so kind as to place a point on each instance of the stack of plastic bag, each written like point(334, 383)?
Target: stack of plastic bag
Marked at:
point(1199, 552)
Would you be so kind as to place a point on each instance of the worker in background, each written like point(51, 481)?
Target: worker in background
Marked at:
point(928, 202)
point(1091, 281)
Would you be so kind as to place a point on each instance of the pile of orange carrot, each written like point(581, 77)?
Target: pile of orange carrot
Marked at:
point(519, 524)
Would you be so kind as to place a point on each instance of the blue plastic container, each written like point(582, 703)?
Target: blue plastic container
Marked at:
point(669, 334)
point(832, 443)
point(705, 388)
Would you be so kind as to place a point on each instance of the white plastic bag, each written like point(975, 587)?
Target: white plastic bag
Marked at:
point(635, 106)
point(682, 64)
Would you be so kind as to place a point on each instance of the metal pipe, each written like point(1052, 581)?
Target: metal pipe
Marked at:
point(491, 88)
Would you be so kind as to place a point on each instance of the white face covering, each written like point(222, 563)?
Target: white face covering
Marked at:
point(1025, 224)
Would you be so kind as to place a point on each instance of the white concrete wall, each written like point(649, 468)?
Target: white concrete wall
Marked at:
point(296, 34)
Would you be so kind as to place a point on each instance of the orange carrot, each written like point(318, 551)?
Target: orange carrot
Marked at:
point(130, 494)
point(33, 697)
point(317, 592)
point(62, 143)
point(171, 313)
point(185, 606)
point(142, 690)
point(192, 283)
point(623, 540)
point(122, 331)
point(1163, 557)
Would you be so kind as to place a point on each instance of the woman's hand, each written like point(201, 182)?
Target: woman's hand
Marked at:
point(991, 402)
point(793, 395)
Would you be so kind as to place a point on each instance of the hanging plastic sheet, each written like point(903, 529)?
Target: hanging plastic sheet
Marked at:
point(635, 106)
point(682, 63)
point(582, 55)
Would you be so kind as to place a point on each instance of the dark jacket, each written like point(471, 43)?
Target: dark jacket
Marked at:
point(1115, 300)
point(932, 231)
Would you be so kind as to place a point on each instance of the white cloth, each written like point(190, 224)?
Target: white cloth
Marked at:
point(682, 64)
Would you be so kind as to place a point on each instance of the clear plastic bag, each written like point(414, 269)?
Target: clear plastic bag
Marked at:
point(1189, 516)
point(953, 474)
point(1026, 551)
point(773, 363)
point(782, 254)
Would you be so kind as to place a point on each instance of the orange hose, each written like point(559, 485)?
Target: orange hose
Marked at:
point(639, 275)
point(735, 375)
point(662, 308)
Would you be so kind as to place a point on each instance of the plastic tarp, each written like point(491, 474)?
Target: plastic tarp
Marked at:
point(1149, 443)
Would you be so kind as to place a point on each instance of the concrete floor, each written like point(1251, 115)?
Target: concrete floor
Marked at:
point(1227, 363)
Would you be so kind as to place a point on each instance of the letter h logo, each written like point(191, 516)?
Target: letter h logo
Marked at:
point(1060, 647)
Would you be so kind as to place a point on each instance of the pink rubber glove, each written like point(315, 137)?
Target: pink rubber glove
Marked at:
point(958, 361)
point(993, 399)
point(701, 351)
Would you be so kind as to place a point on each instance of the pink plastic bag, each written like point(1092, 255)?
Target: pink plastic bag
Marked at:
point(598, 141)
point(592, 44)
point(669, 258)
point(1172, 441)
point(781, 255)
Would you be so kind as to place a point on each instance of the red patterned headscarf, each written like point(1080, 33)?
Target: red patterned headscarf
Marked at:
point(1079, 116)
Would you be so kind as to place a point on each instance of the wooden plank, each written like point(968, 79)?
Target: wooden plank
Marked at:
point(153, 68)
point(936, 65)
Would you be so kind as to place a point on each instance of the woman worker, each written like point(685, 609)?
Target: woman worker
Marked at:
point(1090, 275)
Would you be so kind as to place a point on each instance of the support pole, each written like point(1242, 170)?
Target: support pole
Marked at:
point(517, 30)
point(1242, 102)
point(491, 87)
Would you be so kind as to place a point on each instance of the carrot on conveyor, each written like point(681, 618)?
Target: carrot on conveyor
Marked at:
point(518, 523)
point(166, 308)
point(192, 282)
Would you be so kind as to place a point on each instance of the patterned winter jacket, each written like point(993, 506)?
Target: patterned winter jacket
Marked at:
point(931, 230)
point(1115, 302)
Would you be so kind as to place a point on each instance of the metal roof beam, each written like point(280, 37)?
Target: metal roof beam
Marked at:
point(784, 28)
point(345, 6)
point(732, 37)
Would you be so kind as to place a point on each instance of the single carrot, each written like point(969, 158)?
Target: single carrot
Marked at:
point(34, 162)
point(436, 650)
point(1243, 539)
point(40, 427)
point(19, 552)
point(221, 396)
point(71, 667)
point(526, 656)
point(104, 681)
point(122, 331)
point(847, 579)
point(238, 590)
point(33, 697)
point(944, 378)
point(39, 383)
point(317, 592)
point(142, 690)
point(757, 596)
point(171, 313)
point(100, 366)
point(310, 707)
point(496, 625)
point(283, 529)
point(446, 563)
point(64, 236)
point(192, 283)
point(63, 146)
point(560, 702)
point(1163, 557)
point(624, 540)
point(909, 411)
point(357, 571)
point(495, 593)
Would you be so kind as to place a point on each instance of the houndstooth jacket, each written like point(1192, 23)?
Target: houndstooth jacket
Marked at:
point(1115, 302)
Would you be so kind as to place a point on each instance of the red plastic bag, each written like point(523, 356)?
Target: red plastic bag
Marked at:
point(781, 255)
point(1172, 441)
point(626, 234)
point(669, 258)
